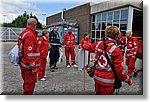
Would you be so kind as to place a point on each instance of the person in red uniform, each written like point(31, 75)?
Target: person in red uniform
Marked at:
point(86, 39)
point(43, 47)
point(69, 45)
point(29, 56)
point(140, 56)
point(121, 42)
point(103, 74)
point(131, 52)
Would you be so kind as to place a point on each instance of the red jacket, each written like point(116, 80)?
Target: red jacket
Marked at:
point(103, 73)
point(43, 46)
point(132, 47)
point(122, 39)
point(140, 49)
point(83, 41)
point(122, 43)
point(29, 49)
point(69, 40)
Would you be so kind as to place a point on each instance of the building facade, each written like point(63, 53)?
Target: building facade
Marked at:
point(79, 15)
point(126, 14)
point(93, 18)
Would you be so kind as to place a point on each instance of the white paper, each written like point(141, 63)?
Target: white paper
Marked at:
point(82, 59)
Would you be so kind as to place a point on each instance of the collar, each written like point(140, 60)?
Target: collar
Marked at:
point(33, 31)
point(130, 38)
point(109, 40)
point(44, 38)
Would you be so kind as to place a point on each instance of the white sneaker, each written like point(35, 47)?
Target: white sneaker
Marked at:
point(45, 76)
point(68, 66)
point(43, 79)
point(75, 65)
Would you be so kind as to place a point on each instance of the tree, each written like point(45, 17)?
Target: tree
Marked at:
point(21, 20)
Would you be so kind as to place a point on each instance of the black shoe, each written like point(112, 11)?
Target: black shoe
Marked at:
point(136, 73)
point(130, 76)
point(51, 70)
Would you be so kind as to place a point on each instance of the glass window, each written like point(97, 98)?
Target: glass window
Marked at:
point(93, 34)
point(102, 34)
point(116, 23)
point(123, 26)
point(97, 34)
point(93, 26)
point(99, 26)
point(103, 16)
point(96, 26)
point(98, 17)
point(93, 18)
point(123, 33)
point(103, 25)
point(124, 14)
point(110, 15)
point(109, 23)
point(123, 22)
point(116, 15)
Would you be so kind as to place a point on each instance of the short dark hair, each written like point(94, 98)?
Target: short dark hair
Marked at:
point(55, 27)
point(85, 34)
point(44, 32)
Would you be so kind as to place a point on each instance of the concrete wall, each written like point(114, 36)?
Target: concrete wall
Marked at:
point(112, 4)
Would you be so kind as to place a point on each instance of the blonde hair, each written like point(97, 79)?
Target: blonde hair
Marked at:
point(112, 31)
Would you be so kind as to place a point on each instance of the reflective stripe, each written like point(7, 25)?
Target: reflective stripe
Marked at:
point(134, 52)
point(30, 65)
point(96, 48)
point(110, 44)
point(104, 80)
point(134, 43)
point(33, 54)
point(26, 66)
point(123, 72)
point(102, 68)
point(24, 35)
point(112, 49)
point(55, 44)
point(129, 54)
point(127, 79)
point(37, 65)
point(135, 47)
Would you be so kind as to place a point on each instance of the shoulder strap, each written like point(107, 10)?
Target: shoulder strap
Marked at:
point(108, 59)
point(100, 55)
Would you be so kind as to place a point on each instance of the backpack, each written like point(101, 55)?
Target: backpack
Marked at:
point(14, 55)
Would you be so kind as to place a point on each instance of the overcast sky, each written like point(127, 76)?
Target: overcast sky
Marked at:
point(10, 9)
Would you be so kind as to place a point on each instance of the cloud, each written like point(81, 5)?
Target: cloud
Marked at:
point(66, 1)
point(10, 9)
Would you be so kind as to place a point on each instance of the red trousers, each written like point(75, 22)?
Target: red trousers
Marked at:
point(130, 62)
point(42, 68)
point(70, 51)
point(103, 90)
point(29, 81)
